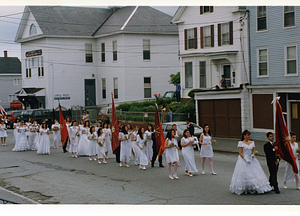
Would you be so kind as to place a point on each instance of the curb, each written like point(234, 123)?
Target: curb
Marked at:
point(12, 197)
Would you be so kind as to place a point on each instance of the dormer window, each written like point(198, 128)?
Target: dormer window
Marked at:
point(32, 30)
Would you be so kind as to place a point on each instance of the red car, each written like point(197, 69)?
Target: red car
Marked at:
point(16, 103)
point(12, 116)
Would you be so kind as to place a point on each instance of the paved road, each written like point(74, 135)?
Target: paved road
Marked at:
point(58, 178)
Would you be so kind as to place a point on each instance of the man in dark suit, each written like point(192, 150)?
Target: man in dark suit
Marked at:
point(272, 161)
point(190, 127)
point(155, 153)
point(117, 150)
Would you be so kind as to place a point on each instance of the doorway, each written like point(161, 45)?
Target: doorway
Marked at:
point(90, 92)
point(295, 120)
point(227, 74)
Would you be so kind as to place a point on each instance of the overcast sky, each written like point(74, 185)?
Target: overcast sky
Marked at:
point(9, 26)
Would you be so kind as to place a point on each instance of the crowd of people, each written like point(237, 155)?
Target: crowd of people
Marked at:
point(139, 144)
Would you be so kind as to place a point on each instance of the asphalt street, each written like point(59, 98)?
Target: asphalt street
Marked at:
point(60, 179)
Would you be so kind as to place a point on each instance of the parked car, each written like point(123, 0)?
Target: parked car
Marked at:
point(104, 114)
point(181, 126)
point(16, 104)
point(169, 94)
point(38, 115)
point(12, 117)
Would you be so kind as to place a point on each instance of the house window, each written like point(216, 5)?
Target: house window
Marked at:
point(115, 53)
point(88, 53)
point(289, 16)
point(262, 62)
point(103, 88)
point(225, 33)
point(146, 49)
point(102, 52)
point(207, 36)
point(188, 74)
point(17, 81)
point(41, 66)
point(190, 37)
point(147, 87)
point(32, 30)
point(116, 96)
point(28, 67)
point(261, 18)
point(202, 74)
point(291, 60)
point(206, 9)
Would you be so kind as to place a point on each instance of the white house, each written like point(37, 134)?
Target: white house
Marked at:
point(213, 41)
point(90, 52)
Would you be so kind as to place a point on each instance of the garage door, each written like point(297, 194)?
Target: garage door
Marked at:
point(223, 116)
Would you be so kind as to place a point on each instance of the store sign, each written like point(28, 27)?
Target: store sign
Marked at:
point(62, 97)
point(34, 53)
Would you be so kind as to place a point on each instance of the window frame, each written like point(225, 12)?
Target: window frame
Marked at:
point(115, 50)
point(185, 73)
point(222, 44)
point(191, 31)
point(102, 52)
point(200, 86)
point(31, 29)
point(258, 61)
point(263, 30)
point(41, 72)
point(292, 26)
point(208, 36)
point(285, 59)
point(89, 53)
point(103, 88)
point(145, 51)
point(145, 87)
point(116, 96)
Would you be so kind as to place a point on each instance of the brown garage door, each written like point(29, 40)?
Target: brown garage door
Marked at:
point(223, 116)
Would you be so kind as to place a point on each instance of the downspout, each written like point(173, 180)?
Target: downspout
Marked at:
point(249, 46)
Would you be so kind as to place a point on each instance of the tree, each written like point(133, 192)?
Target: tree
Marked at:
point(174, 78)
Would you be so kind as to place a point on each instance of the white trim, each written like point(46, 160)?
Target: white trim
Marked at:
point(288, 27)
point(4, 74)
point(129, 18)
point(285, 59)
point(266, 20)
point(257, 61)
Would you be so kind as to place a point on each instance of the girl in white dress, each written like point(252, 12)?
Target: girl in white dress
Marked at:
point(44, 145)
point(172, 157)
point(248, 176)
point(187, 143)
point(83, 146)
point(149, 142)
point(206, 149)
point(68, 124)
point(289, 175)
point(124, 146)
point(133, 139)
point(34, 128)
point(22, 142)
point(107, 132)
point(74, 136)
point(92, 143)
point(28, 123)
point(98, 126)
point(130, 132)
point(141, 139)
point(3, 133)
point(56, 133)
point(15, 126)
point(100, 146)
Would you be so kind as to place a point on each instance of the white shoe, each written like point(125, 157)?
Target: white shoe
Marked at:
point(127, 165)
point(90, 159)
point(176, 177)
point(95, 159)
point(297, 188)
point(171, 177)
point(99, 162)
point(121, 164)
point(203, 173)
point(284, 186)
point(213, 173)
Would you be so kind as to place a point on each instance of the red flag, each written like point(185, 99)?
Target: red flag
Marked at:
point(159, 135)
point(282, 139)
point(63, 127)
point(114, 125)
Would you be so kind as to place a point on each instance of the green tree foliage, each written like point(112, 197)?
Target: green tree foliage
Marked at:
point(174, 78)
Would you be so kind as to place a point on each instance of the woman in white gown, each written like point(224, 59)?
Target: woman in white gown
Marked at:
point(56, 133)
point(187, 143)
point(74, 136)
point(22, 142)
point(289, 175)
point(248, 176)
point(124, 146)
point(33, 135)
point(44, 145)
point(15, 126)
point(171, 149)
point(133, 139)
point(100, 146)
point(141, 139)
point(93, 136)
point(28, 123)
point(83, 146)
point(3, 133)
point(149, 142)
point(107, 132)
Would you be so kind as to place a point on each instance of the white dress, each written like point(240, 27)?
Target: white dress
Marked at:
point(248, 177)
point(206, 150)
point(33, 138)
point(125, 148)
point(101, 149)
point(56, 134)
point(74, 139)
point(44, 145)
point(188, 155)
point(83, 146)
point(149, 146)
point(16, 132)
point(28, 125)
point(93, 144)
point(172, 153)
point(3, 131)
point(107, 133)
point(134, 147)
point(289, 175)
point(141, 154)
point(21, 143)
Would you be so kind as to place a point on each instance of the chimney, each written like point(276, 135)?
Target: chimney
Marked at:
point(5, 54)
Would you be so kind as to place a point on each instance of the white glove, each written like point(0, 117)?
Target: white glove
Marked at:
point(247, 160)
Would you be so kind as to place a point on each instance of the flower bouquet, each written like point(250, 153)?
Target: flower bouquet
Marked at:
point(100, 143)
point(55, 128)
point(149, 137)
point(172, 144)
point(256, 153)
point(77, 134)
point(214, 141)
point(180, 136)
point(5, 128)
point(126, 137)
point(93, 137)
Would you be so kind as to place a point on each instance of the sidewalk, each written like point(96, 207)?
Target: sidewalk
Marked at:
point(13, 198)
point(230, 145)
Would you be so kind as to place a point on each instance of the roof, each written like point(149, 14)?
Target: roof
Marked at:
point(29, 90)
point(10, 65)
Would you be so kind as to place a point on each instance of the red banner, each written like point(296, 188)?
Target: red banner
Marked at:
point(282, 139)
point(63, 127)
point(159, 135)
point(114, 125)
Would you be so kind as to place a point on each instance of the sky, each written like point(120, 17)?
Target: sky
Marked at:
point(9, 26)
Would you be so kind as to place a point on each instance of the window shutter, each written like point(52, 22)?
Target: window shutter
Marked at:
point(201, 37)
point(211, 9)
point(195, 39)
point(230, 33)
point(212, 34)
point(185, 39)
point(219, 34)
point(201, 10)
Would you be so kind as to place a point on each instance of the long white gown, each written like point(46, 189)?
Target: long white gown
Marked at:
point(44, 145)
point(125, 148)
point(73, 139)
point(16, 131)
point(108, 147)
point(56, 134)
point(248, 177)
point(134, 147)
point(22, 142)
point(93, 144)
point(141, 153)
point(33, 137)
point(188, 155)
point(149, 146)
point(3, 131)
point(101, 149)
point(83, 146)
point(289, 175)
point(172, 153)
point(206, 150)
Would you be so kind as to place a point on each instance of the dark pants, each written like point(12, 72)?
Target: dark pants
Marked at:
point(117, 152)
point(273, 169)
point(64, 147)
point(155, 153)
point(178, 96)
